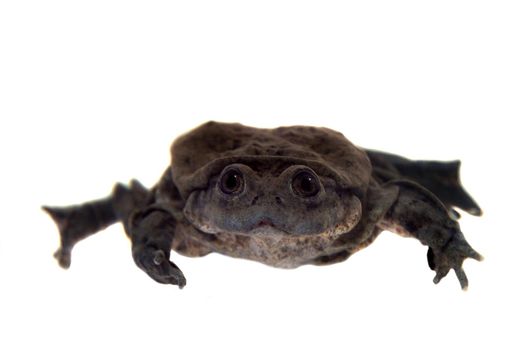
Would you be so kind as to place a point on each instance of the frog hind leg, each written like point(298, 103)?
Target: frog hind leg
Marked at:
point(77, 222)
point(440, 178)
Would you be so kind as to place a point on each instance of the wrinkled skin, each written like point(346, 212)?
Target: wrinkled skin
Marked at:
point(285, 197)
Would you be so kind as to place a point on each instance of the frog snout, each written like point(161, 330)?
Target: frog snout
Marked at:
point(267, 199)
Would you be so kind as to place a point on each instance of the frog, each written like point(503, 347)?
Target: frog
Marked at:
point(286, 197)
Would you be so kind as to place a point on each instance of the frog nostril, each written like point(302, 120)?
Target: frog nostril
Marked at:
point(254, 200)
point(278, 200)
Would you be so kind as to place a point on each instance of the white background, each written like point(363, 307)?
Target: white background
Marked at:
point(94, 92)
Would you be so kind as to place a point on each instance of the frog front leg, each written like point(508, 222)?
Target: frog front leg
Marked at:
point(420, 214)
point(151, 231)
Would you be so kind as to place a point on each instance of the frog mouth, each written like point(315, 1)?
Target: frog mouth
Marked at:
point(265, 226)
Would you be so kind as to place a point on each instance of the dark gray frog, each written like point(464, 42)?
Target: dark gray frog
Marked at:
point(285, 197)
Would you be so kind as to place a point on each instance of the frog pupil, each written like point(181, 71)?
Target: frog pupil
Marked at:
point(232, 181)
point(307, 183)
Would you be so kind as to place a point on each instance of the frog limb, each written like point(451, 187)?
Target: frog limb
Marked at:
point(420, 214)
point(151, 231)
point(77, 222)
point(441, 178)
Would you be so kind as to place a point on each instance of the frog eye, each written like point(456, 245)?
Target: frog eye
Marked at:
point(231, 181)
point(305, 184)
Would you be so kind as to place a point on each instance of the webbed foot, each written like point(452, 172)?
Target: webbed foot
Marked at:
point(63, 256)
point(77, 222)
point(441, 178)
point(61, 218)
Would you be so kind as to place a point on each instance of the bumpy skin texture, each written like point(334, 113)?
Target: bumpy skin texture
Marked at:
point(285, 197)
